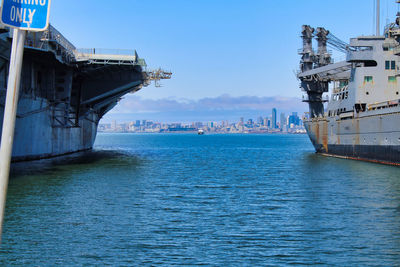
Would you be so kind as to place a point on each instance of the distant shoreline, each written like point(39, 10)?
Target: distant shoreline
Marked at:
point(206, 133)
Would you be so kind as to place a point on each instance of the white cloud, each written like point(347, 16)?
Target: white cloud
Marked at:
point(225, 102)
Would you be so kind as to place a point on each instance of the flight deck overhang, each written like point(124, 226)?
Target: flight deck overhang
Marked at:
point(110, 57)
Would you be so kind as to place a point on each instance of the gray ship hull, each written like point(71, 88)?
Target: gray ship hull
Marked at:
point(64, 93)
point(373, 136)
point(36, 138)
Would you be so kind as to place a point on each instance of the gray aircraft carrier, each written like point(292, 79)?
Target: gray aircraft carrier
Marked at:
point(361, 119)
point(65, 91)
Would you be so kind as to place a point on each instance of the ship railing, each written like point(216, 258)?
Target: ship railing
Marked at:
point(105, 51)
point(313, 51)
point(67, 52)
point(340, 89)
point(56, 36)
point(384, 104)
point(42, 41)
point(107, 56)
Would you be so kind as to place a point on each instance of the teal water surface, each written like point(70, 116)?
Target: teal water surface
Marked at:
point(224, 200)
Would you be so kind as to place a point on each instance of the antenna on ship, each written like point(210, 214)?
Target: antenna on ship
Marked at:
point(378, 11)
point(387, 13)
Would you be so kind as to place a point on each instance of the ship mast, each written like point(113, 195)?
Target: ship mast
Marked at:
point(378, 11)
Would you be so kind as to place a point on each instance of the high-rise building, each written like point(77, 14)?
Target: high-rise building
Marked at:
point(283, 120)
point(273, 119)
point(260, 120)
point(294, 119)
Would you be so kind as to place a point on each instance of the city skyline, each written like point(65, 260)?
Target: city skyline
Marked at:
point(255, 118)
point(291, 123)
point(207, 109)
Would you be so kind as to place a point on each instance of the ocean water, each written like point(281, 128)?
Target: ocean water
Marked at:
point(185, 199)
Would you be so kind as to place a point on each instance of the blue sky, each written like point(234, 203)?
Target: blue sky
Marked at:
point(214, 47)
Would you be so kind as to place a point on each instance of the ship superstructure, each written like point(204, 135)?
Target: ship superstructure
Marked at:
point(361, 119)
point(65, 91)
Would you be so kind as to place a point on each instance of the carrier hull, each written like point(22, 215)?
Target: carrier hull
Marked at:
point(36, 138)
point(64, 92)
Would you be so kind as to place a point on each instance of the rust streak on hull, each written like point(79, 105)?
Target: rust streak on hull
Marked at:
point(325, 135)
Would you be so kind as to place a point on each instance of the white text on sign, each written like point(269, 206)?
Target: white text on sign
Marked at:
point(19, 14)
point(24, 15)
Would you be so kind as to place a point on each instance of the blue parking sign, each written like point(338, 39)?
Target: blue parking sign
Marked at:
point(31, 15)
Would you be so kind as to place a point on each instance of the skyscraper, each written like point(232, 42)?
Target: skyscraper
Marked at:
point(260, 120)
point(294, 119)
point(273, 120)
point(283, 121)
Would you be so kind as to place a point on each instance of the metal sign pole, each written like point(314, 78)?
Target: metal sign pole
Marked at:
point(10, 112)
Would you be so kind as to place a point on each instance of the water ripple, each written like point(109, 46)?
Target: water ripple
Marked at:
point(182, 199)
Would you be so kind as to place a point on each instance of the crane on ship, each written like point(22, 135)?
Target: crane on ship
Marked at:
point(320, 66)
point(317, 68)
point(157, 75)
point(336, 43)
